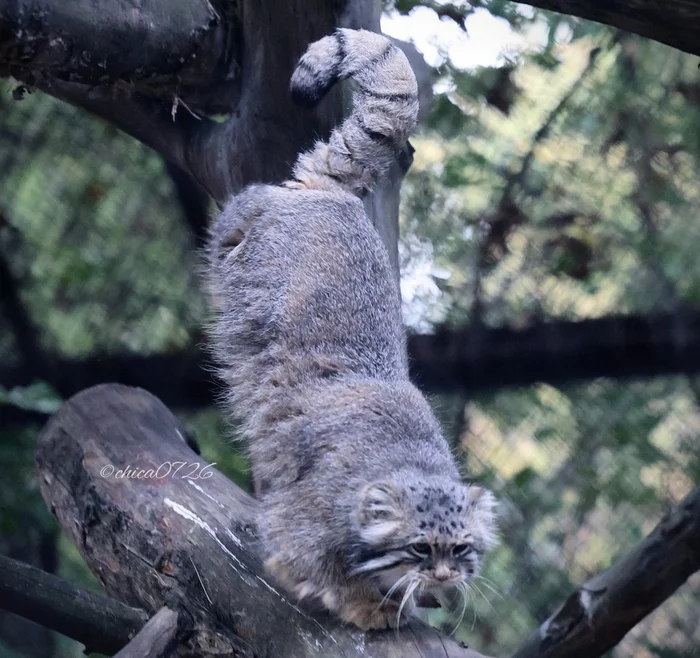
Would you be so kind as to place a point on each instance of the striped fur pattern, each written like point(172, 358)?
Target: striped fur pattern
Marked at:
point(385, 109)
point(362, 504)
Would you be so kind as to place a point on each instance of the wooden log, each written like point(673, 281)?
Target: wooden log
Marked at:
point(102, 624)
point(155, 640)
point(160, 527)
point(601, 612)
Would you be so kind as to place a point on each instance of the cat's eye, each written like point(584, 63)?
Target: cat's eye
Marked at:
point(421, 549)
point(461, 550)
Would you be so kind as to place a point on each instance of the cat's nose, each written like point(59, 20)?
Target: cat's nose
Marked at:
point(442, 572)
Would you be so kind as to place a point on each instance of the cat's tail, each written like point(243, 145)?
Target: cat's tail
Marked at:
point(385, 109)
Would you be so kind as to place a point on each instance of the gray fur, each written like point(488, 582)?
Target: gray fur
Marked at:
point(347, 457)
point(385, 109)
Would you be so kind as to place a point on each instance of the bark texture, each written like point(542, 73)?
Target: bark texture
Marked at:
point(156, 48)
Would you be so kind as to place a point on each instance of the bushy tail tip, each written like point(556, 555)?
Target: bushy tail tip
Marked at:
point(385, 108)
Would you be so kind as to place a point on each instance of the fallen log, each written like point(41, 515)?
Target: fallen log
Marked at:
point(161, 527)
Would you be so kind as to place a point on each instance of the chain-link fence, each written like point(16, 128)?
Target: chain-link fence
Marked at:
point(566, 190)
point(578, 199)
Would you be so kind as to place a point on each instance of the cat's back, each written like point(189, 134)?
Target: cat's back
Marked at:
point(312, 274)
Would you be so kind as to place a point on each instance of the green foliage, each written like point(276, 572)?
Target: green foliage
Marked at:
point(550, 184)
point(37, 397)
point(564, 186)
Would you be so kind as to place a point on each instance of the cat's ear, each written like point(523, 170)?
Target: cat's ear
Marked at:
point(381, 511)
point(482, 500)
point(482, 504)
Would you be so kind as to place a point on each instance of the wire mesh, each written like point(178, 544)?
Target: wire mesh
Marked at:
point(579, 202)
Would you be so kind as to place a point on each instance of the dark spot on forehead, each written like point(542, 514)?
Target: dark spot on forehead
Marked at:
point(459, 508)
point(432, 524)
point(422, 525)
point(420, 508)
point(453, 524)
point(444, 499)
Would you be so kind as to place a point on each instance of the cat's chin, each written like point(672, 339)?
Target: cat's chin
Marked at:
point(422, 600)
point(427, 600)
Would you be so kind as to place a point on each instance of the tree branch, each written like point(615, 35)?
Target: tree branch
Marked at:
point(248, 46)
point(185, 538)
point(155, 640)
point(601, 612)
point(168, 128)
point(673, 22)
point(79, 56)
point(557, 352)
point(471, 359)
point(100, 623)
point(155, 48)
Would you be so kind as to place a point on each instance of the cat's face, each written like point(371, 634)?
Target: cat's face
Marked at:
point(423, 536)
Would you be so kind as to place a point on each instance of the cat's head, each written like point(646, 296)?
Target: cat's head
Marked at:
point(430, 533)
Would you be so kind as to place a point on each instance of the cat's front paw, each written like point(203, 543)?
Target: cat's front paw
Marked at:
point(301, 589)
point(369, 615)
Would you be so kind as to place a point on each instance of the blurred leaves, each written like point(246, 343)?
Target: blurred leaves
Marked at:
point(560, 181)
point(36, 397)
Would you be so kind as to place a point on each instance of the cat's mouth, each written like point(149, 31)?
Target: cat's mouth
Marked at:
point(427, 600)
point(423, 599)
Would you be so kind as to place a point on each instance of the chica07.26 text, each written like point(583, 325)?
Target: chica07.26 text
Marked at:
point(184, 470)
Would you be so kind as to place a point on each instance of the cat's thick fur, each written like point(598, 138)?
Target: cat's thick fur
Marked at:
point(353, 474)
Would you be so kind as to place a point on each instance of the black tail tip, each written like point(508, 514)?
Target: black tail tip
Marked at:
point(306, 97)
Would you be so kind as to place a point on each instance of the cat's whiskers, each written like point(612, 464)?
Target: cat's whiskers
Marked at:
point(401, 581)
point(490, 585)
point(408, 595)
point(464, 591)
point(483, 596)
point(468, 588)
